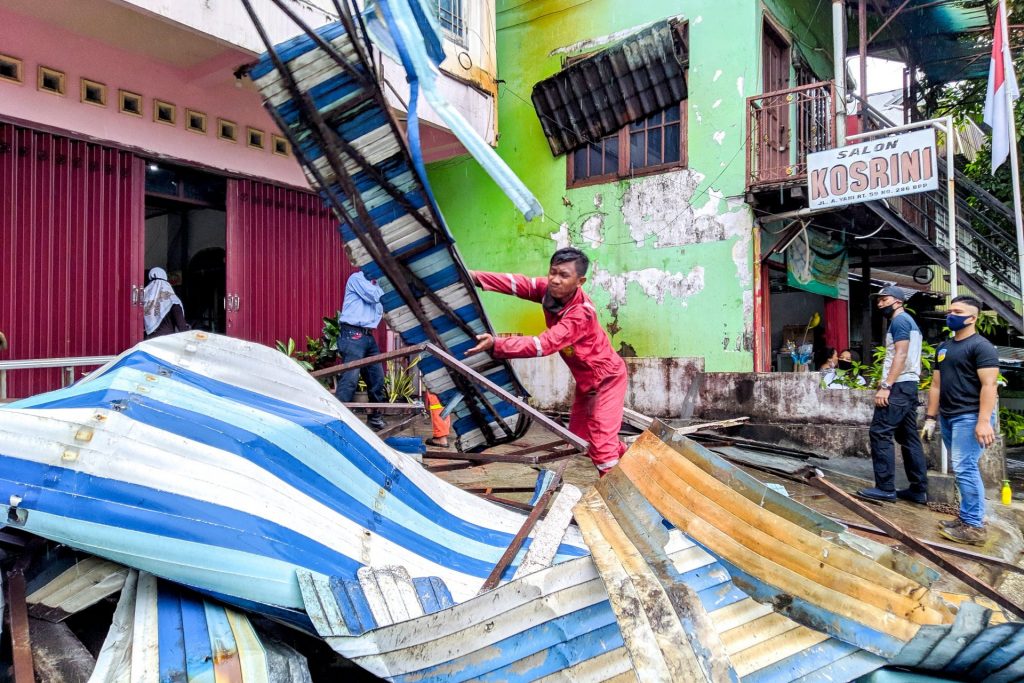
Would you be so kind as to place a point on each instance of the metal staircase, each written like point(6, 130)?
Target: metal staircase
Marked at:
point(986, 242)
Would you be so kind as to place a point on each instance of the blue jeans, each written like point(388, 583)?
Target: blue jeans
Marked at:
point(964, 453)
point(355, 343)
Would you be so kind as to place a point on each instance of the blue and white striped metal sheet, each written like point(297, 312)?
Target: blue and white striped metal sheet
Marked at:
point(399, 212)
point(161, 632)
point(222, 465)
point(558, 624)
point(977, 646)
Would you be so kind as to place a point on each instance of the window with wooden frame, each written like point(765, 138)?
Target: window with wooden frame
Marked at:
point(131, 103)
point(94, 93)
point(651, 145)
point(11, 69)
point(52, 81)
point(279, 145)
point(227, 130)
point(254, 137)
point(195, 121)
point(165, 112)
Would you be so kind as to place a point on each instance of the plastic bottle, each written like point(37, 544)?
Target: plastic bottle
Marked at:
point(1006, 493)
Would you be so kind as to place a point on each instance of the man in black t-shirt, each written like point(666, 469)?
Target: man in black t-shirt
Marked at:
point(963, 396)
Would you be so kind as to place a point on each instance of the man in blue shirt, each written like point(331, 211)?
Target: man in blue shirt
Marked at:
point(361, 312)
point(896, 406)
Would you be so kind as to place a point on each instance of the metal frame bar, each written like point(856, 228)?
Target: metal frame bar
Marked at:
point(943, 547)
point(397, 272)
point(816, 478)
point(497, 457)
point(895, 13)
point(800, 98)
point(472, 375)
point(67, 364)
point(524, 531)
point(17, 612)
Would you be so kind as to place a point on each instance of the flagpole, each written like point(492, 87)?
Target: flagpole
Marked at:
point(1014, 163)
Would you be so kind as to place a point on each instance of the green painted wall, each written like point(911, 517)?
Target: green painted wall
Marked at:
point(671, 253)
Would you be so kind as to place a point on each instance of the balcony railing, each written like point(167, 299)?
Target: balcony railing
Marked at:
point(783, 127)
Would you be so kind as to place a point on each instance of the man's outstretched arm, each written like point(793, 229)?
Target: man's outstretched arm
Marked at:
point(565, 332)
point(529, 288)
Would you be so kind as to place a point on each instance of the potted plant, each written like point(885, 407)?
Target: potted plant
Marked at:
point(398, 381)
point(361, 396)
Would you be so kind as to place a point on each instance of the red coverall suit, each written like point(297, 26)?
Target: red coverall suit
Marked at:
point(575, 333)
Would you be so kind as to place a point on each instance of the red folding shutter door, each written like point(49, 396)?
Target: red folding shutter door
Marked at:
point(286, 263)
point(71, 216)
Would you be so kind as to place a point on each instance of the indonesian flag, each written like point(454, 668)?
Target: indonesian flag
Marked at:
point(1000, 76)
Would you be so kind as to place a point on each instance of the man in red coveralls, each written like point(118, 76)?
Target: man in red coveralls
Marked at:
point(575, 333)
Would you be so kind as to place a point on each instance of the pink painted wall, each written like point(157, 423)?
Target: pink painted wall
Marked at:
point(208, 88)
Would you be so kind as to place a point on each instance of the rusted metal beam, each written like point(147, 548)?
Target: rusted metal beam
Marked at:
point(549, 446)
point(862, 48)
point(451, 466)
point(482, 457)
point(816, 478)
point(519, 403)
point(895, 13)
point(21, 644)
point(505, 501)
point(943, 547)
point(564, 435)
point(524, 531)
point(362, 224)
point(369, 360)
point(389, 407)
point(326, 47)
point(500, 489)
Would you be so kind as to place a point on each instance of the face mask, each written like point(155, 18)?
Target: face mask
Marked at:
point(957, 322)
point(845, 365)
point(888, 311)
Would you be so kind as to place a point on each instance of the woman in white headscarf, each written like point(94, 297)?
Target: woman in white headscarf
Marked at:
point(162, 311)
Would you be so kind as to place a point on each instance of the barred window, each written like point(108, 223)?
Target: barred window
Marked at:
point(451, 17)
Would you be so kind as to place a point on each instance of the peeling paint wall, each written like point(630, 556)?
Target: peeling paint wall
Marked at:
point(671, 268)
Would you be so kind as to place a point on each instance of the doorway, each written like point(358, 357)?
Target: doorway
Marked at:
point(186, 235)
point(775, 65)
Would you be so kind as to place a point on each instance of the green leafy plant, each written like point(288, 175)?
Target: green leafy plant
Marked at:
point(872, 373)
point(322, 351)
point(398, 380)
point(289, 349)
point(990, 322)
point(1011, 426)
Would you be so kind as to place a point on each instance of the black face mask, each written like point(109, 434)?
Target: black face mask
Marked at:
point(889, 311)
point(844, 364)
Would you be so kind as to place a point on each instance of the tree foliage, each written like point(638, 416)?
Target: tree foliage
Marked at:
point(966, 100)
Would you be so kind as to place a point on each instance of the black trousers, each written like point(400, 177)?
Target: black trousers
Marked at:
point(899, 420)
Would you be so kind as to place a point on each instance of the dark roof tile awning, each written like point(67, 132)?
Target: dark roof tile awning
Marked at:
point(598, 95)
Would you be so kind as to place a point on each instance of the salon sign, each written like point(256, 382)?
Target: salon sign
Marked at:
point(873, 169)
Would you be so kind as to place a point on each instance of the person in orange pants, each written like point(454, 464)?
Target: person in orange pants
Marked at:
point(441, 425)
point(575, 333)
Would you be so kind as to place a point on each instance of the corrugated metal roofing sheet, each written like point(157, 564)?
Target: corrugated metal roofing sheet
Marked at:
point(598, 95)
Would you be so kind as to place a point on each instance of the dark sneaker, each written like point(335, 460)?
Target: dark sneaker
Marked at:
point(950, 523)
point(877, 494)
point(965, 533)
point(376, 423)
point(912, 496)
